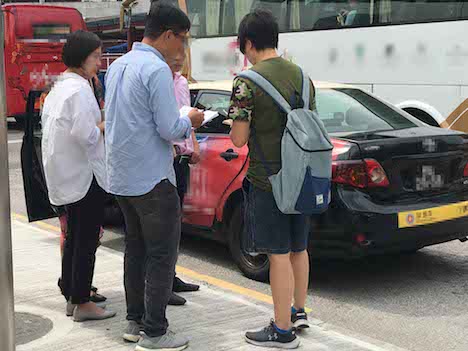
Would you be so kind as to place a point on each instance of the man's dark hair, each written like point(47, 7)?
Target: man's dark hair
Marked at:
point(79, 46)
point(163, 16)
point(261, 28)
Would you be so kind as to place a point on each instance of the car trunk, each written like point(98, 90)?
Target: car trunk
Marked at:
point(418, 162)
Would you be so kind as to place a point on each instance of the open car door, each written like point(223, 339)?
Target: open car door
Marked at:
point(35, 189)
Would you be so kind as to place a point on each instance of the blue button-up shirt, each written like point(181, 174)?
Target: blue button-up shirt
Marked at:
point(142, 121)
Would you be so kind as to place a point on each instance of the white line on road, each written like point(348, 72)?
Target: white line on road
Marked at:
point(16, 141)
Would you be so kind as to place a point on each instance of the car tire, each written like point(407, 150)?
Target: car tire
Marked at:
point(256, 268)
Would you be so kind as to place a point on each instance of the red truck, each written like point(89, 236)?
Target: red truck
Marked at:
point(34, 38)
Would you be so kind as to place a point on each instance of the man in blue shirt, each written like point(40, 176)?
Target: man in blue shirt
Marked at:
point(142, 121)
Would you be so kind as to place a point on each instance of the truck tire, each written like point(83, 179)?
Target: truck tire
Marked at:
point(256, 268)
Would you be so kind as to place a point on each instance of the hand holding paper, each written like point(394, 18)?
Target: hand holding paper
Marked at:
point(196, 117)
point(208, 116)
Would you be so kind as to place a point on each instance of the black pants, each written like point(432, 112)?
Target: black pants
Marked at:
point(152, 242)
point(182, 171)
point(84, 221)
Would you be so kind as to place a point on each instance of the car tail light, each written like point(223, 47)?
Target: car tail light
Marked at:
point(376, 174)
point(340, 147)
point(465, 171)
point(362, 174)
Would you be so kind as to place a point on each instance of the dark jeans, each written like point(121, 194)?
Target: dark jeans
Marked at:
point(152, 242)
point(85, 219)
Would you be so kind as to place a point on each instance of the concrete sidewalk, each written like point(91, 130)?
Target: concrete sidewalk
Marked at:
point(214, 319)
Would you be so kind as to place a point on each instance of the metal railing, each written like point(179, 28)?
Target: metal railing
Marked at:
point(7, 314)
point(107, 59)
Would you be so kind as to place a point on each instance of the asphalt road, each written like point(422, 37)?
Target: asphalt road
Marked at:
point(417, 301)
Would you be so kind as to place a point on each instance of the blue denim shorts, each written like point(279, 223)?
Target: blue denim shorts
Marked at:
point(267, 230)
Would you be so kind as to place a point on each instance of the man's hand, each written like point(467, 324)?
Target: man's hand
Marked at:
point(195, 158)
point(196, 117)
point(102, 126)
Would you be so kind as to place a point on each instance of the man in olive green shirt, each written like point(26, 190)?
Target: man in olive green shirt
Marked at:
point(258, 121)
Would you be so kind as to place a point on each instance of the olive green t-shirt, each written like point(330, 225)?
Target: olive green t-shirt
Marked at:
point(267, 121)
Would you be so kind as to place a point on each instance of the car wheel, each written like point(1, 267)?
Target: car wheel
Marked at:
point(253, 267)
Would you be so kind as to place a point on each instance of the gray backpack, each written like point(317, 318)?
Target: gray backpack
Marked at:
point(302, 186)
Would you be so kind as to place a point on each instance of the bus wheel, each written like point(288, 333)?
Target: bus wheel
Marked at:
point(253, 267)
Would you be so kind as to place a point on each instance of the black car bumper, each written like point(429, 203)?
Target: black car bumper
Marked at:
point(354, 226)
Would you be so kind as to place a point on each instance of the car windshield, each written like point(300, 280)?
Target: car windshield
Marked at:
point(347, 110)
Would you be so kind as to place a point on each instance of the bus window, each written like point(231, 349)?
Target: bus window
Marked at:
point(321, 14)
point(410, 11)
point(205, 17)
point(278, 8)
point(222, 18)
point(51, 31)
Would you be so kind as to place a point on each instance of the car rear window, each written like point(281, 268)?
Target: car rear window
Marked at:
point(352, 110)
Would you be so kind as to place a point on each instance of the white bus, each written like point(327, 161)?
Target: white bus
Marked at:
point(412, 53)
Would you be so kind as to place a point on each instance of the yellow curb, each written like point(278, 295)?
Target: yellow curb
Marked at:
point(182, 270)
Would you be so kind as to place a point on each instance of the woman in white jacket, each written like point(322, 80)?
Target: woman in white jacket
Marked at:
point(73, 156)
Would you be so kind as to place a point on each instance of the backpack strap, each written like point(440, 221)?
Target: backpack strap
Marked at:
point(268, 88)
point(305, 90)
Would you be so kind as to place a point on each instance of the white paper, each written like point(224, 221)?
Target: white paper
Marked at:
point(208, 115)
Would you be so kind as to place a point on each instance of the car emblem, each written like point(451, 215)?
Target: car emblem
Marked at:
point(429, 145)
point(410, 218)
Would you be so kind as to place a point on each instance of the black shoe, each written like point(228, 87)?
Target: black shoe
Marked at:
point(299, 320)
point(96, 298)
point(176, 300)
point(181, 286)
point(270, 337)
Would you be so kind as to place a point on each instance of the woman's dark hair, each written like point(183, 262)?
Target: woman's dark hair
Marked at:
point(261, 28)
point(79, 46)
point(163, 16)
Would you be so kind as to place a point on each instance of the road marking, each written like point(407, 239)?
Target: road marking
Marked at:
point(39, 224)
point(15, 141)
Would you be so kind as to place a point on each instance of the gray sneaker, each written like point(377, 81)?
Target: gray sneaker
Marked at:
point(132, 332)
point(166, 342)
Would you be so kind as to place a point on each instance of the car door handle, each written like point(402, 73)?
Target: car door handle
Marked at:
point(229, 155)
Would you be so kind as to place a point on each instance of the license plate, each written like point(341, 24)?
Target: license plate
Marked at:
point(432, 215)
